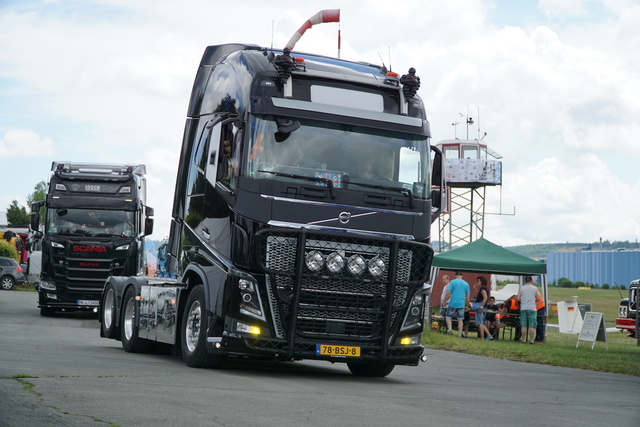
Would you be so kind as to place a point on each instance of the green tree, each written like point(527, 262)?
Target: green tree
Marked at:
point(38, 195)
point(563, 282)
point(7, 250)
point(17, 215)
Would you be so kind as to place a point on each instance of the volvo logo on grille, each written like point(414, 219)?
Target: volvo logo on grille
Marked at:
point(344, 217)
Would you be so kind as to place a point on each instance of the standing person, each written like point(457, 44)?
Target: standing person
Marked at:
point(480, 307)
point(528, 297)
point(444, 302)
point(541, 312)
point(458, 296)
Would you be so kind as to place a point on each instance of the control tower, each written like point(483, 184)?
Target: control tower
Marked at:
point(469, 168)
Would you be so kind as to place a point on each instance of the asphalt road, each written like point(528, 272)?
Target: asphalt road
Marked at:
point(59, 372)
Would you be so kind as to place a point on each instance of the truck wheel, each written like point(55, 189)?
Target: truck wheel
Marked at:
point(47, 312)
point(131, 342)
point(7, 282)
point(371, 369)
point(193, 338)
point(108, 314)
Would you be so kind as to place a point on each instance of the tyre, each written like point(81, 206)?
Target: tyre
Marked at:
point(193, 339)
point(7, 283)
point(371, 369)
point(47, 312)
point(131, 342)
point(108, 313)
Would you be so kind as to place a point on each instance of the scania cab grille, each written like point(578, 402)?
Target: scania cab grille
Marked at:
point(336, 303)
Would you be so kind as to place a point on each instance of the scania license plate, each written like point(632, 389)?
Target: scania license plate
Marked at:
point(337, 350)
point(88, 302)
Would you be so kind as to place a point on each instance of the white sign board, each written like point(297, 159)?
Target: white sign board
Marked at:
point(593, 329)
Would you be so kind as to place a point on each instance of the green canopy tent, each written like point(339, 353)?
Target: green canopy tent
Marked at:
point(483, 256)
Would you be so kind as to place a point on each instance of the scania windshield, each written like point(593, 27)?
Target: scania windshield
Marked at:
point(351, 157)
point(91, 222)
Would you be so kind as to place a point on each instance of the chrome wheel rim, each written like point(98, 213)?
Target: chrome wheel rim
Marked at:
point(108, 309)
point(129, 317)
point(192, 328)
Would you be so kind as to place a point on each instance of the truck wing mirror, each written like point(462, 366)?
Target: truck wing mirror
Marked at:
point(437, 180)
point(148, 226)
point(148, 221)
point(35, 221)
point(35, 206)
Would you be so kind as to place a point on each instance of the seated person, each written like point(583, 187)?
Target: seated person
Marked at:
point(511, 305)
point(492, 317)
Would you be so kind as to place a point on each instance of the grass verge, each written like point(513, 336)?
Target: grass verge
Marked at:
point(622, 357)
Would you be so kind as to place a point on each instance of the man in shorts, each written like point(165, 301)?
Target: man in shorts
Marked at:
point(528, 296)
point(458, 296)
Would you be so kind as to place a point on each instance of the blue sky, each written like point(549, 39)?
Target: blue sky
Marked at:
point(555, 82)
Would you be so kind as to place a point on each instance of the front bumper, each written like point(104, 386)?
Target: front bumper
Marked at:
point(274, 348)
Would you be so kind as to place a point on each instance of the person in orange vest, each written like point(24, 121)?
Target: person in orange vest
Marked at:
point(511, 305)
point(541, 314)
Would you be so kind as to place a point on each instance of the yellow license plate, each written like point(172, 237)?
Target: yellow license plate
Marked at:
point(337, 350)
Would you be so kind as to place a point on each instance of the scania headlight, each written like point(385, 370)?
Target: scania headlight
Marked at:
point(356, 264)
point(335, 262)
point(376, 266)
point(50, 286)
point(314, 261)
point(250, 302)
point(57, 245)
point(122, 248)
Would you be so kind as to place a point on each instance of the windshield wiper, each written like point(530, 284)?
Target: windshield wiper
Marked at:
point(408, 192)
point(327, 181)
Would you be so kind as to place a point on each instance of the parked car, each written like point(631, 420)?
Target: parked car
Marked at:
point(11, 273)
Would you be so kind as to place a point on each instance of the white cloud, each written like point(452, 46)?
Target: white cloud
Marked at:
point(25, 143)
point(110, 81)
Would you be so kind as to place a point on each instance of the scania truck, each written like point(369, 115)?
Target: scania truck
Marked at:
point(301, 218)
point(627, 320)
point(96, 220)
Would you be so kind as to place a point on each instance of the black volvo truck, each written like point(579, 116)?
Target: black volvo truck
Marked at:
point(301, 218)
point(96, 220)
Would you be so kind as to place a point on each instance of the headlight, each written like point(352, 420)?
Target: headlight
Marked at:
point(122, 248)
point(57, 245)
point(356, 264)
point(48, 285)
point(250, 302)
point(414, 313)
point(376, 266)
point(314, 261)
point(335, 262)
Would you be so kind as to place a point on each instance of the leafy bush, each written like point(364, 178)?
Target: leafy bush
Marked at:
point(7, 250)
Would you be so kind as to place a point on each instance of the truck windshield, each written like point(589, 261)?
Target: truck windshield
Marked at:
point(91, 222)
point(352, 157)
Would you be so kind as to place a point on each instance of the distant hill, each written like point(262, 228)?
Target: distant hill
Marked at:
point(540, 251)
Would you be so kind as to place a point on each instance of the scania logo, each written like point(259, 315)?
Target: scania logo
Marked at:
point(83, 248)
point(90, 264)
point(344, 217)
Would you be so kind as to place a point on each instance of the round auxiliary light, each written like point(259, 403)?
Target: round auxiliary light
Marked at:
point(335, 262)
point(376, 266)
point(314, 261)
point(356, 264)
